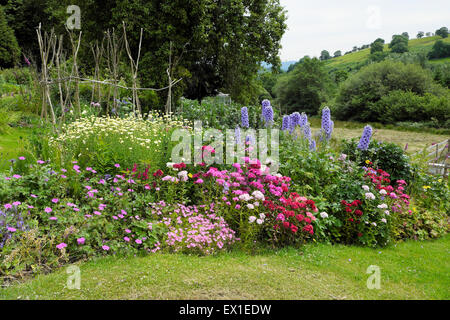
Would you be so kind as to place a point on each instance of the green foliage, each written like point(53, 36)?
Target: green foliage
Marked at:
point(303, 89)
point(324, 55)
point(387, 156)
point(377, 46)
point(217, 114)
point(9, 49)
point(399, 44)
point(359, 97)
point(403, 106)
point(337, 54)
point(442, 32)
point(439, 50)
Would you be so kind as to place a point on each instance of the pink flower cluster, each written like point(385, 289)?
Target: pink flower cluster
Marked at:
point(194, 228)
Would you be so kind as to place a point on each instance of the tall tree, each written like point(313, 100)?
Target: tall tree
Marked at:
point(399, 44)
point(325, 55)
point(303, 89)
point(377, 46)
point(9, 49)
point(443, 32)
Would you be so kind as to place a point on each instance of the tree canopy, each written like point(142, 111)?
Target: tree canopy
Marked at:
point(219, 44)
point(304, 88)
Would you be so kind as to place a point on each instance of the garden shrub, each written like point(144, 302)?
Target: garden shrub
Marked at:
point(358, 98)
point(214, 114)
point(388, 156)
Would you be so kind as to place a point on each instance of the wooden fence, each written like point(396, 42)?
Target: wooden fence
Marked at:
point(438, 158)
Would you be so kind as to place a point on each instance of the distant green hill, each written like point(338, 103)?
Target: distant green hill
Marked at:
point(415, 45)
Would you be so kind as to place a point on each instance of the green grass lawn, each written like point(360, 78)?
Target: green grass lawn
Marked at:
point(416, 141)
point(11, 145)
point(411, 270)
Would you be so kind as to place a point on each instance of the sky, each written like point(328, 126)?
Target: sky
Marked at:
point(315, 25)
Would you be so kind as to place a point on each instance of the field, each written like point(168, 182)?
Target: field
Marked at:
point(412, 270)
point(415, 45)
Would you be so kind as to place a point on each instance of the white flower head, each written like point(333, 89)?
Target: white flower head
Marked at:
point(370, 195)
point(366, 187)
point(384, 220)
point(383, 192)
point(259, 221)
point(324, 215)
point(252, 219)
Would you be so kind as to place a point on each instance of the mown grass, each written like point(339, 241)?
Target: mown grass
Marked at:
point(12, 144)
point(416, 141)
point(411, 270)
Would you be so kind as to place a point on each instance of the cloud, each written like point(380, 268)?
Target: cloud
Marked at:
point(339, 25)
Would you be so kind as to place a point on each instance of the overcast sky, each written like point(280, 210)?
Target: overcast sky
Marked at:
point(315, 25)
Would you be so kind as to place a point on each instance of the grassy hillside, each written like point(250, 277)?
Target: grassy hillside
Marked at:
point(415, 45)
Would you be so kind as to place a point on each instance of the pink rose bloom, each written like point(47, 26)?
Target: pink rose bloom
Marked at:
point(138, 241)
point(48, 210)
point(126, 239)
point(81, 240)
point(106, 248)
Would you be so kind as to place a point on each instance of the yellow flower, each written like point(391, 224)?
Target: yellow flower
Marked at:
point(440, 180)
point(190, 175)
point(426, 187)
point(367, 161)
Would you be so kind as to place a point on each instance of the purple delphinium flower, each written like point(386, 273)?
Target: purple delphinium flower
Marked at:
point(268, 115)
point(244, 117)
point(365, 138)
point(303, 119)
point(307, 132)
point(286, 123)
point(327, 126)
point(295, 118)
point(265, 103)
point(312, 145)
point(237, 135)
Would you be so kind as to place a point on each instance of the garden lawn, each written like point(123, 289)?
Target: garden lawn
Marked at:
point(411, 270)
point(416, 141)
point(11, 144)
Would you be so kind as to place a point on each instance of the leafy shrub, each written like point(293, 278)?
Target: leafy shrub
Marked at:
point(359, 96)
point(401, 106)
point(218, 115)
point(384, 155)
point(440, 50)
point(17, 76)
